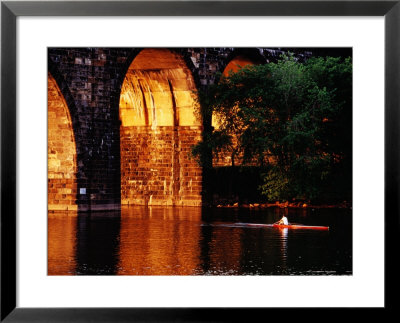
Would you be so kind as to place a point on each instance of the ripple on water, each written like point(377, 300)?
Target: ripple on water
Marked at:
point(183, 241)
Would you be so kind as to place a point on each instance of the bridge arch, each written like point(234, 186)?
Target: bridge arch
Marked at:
point(62, 156)
point(237, 63)
point(158, 126)
point(241, 57)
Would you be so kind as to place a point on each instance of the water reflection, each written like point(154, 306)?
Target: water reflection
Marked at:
point(192, 241)
point(221, 250)
point(284, 250)
point(61, 244)
point(98, 238)
point(159, 241)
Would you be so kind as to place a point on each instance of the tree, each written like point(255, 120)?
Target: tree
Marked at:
point(292, 119)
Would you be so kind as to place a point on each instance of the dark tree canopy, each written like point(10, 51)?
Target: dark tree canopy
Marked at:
point(292, 119)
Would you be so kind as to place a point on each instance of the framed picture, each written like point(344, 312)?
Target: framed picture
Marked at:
point(141, 42)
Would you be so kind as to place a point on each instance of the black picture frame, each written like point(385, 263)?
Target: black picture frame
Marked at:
point(10, 10)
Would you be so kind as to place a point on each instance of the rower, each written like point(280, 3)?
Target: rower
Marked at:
point(283, 221)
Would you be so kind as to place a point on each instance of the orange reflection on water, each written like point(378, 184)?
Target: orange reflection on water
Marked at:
point(61, 243)
point(159, 241)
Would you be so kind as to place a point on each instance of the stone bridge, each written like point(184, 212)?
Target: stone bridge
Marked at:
point(121, 122)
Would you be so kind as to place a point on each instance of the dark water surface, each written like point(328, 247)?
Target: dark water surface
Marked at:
point(196, 241)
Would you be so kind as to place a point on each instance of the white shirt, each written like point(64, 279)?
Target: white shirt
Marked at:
point(285, 221)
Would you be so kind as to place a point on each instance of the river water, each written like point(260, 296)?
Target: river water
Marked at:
point(196, 241)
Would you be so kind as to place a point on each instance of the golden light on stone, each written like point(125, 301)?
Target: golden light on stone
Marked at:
point(158, 128)
point(61, 147)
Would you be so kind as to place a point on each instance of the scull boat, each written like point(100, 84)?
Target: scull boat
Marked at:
point(289, 226)
point(299, 226)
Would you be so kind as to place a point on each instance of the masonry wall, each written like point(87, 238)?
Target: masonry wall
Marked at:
point(91, 81)
point(158, 128)
point(61, 152)
point(156, 166)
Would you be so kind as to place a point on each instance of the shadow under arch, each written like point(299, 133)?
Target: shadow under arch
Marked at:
point(158, 126)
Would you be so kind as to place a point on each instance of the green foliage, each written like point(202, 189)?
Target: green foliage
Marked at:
point(294, 119)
